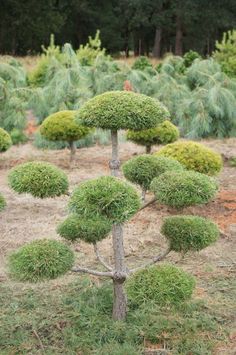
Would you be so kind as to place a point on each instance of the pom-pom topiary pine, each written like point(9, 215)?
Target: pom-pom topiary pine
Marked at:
point(164, 133)
point(143, 169)
point(164, 285)
point(38, 179)
point(194, 156)
point(187, 233)
point(5, 140)
point(41, 260)
point(182, 189)
point(62, 126)
point(2, 202)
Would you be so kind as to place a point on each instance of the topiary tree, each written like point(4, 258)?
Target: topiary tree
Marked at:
point(5, 140)
point(194, 156)
point(164, 133)
point(141, 170)
point(102, 205)
point(62, 126)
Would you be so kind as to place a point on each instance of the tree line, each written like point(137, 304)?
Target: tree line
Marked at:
point(141, 26)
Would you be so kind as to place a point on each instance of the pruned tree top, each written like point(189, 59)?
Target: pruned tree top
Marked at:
point(122, 110)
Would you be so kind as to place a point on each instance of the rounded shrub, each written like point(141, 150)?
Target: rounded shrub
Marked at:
point(163, 285)
point(90, 230)
point(194, 156)
point(5, 140)
point(142, 63)
point(62, 126)
point(122, 110)
point(184, 188)
point(106, 196)
point(143, 169)
point(2, 202)
point(164, 133)
point(187, 233)
point(38, 179)
point(41, 260)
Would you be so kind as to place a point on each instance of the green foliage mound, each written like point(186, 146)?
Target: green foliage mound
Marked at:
point(141, 63)
point(163, 285)
point(194, 156)
point(225, 53)
point(18, 136)
point(143, 169)
point(122, 110)
point(182, 189)
point(5, 140)
point(186, 233)
point(2, 202)
point(189, 58)
point(62, 126)
point(106, 196)
point(164, 133)
point(90, 230)
point(41, 260)
point(39, 179)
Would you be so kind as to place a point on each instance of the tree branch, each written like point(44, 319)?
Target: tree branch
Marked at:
point(102, 261)
point(148, 203)
point(92, 272)
point(153, 261)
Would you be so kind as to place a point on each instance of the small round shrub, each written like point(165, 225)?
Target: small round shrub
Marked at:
point(164, 133)
point(41, 260)
point(107, 196)
point(189, 58)
point(141, 63)
point(189, 232)
point(90, 230)
point(62, 126)
point(194, 156)
point(163, 285)
point(2, 202)
point(143, 169)
point(122, 110)
point(38, 179)
point(182, 189)
point(5, 140)
point(18, 136)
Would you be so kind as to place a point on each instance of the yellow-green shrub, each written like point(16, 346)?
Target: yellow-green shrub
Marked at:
point(194, 156)
point(5, 140)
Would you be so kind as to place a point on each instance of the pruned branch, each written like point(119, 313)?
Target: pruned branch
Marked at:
point(92, 272)
point(148, 203)
point(153, 261)
point(102, 261)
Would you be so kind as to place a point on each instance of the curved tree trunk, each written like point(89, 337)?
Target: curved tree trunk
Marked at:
point(72, 151)
point(120, 274)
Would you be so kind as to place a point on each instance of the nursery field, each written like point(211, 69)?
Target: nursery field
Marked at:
point(70, 315)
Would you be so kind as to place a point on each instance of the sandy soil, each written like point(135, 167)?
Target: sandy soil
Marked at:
point(26, 218)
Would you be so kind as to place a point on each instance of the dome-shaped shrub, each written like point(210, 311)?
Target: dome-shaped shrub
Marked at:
point(143, 169)
point(62, 126)
point(184, 188)
point(164, 285)
point(194, 156)
point(2, 202)
point(164, 133)
point(189, 232)
point(107, 196)
point(142, 63)
point(5, 140)
point(90, 230)
point(41, 260)
point(38, 179)
point(122, 110)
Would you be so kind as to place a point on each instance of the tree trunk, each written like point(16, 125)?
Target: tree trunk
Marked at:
point(157, 43)
point(72, 151)
point(143, 195)
point(148, 149)
point(179, 37)
point(120, 275)
point(114, 162)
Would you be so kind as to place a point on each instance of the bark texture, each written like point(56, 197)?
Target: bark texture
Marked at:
point(72, 151)
point(157, 43)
